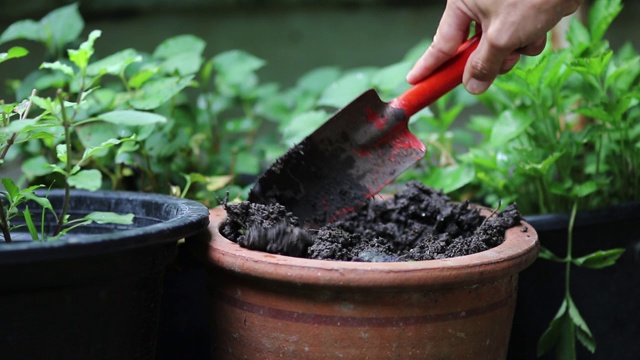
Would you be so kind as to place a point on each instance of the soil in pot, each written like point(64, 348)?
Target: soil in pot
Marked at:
point(417, 223)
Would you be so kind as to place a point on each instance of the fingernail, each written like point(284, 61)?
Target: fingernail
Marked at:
point(476, 86)
point(410, 77)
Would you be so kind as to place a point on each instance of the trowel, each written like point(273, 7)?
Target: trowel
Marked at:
point(357, 152)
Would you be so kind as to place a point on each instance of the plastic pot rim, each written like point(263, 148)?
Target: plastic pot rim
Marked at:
point(190, 217)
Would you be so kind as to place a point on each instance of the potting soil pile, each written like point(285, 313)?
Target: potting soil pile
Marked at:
point(417, 223)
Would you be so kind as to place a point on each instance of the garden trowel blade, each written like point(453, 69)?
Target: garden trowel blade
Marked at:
point(345, 162)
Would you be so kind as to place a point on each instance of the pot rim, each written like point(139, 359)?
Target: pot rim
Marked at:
point(518, 251)
point(592, 217)
point(176, 219)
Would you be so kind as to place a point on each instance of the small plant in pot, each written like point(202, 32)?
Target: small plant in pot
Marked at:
point(81, 267)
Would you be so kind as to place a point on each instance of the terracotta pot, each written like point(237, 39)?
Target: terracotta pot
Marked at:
point(265, 306)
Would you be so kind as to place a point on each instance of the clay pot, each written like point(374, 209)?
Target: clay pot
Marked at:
point(265, 306)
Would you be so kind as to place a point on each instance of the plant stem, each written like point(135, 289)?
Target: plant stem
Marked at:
point(14, 136)
point(66, 124)
point(569, 257)
point(4, 225)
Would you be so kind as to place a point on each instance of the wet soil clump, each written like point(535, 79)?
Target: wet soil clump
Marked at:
point(417, 223)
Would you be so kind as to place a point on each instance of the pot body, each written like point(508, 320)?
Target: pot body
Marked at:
point(94, 294)
point(606, 298)
point(266, 306)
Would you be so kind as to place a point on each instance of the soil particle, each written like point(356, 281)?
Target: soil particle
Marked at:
point(418, 223)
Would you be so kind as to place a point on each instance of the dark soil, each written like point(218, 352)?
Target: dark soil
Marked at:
point(418, 223)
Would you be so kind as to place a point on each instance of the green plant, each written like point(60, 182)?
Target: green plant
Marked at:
point(166, 121)
point(52, 129)
point(565, 137)
point(177, 116)
point(562, 135)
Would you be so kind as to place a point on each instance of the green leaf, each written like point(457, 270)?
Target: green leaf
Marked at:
point(450, 178)
point(141, 77)
point(391, 77)
point(95, 133)
point(86, 179)
point(240, 125)
point(101, 217)
point(157, 92)
point(595, 112)
point(30, 225)
point(43, 202)
point(601, 15)
point(178, 45)
point(236, 72)
point(247, 163)
point(182, 64)
point(81, 56)
point(12, 189)
point(212, 183)
point(316, 80)
point(509, 125)
point(346, 89)
point(36, 166)
point(61, 152)
point(182, 55)
point(132, 118)
point(302, 125)
point(549, 255)
point(584, 189)
point(42, 80)
point(583, 333)
point(95, 150)
point(19, 126)
point(24, 29)
point(559, 335)
point(114, 64)
point(55, 29)
point(578, 36)
point(63, 68)
point(624, 75)
point(593, 67)
point(236, 63)
point(543, 167)
point(599, 259)
point(62, 25)
point(536, 72)
point(13, 53)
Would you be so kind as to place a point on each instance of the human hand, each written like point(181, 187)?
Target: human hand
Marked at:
point(510, 28)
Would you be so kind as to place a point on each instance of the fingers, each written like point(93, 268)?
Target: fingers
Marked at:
point(452, 31)
point(534, 48)
point(484, 65)
point(509, 62)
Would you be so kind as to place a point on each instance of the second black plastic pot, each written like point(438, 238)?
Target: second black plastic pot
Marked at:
point(606, 298)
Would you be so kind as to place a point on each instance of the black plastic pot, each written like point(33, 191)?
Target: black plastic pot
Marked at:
point(94, 294)
point(608, 299)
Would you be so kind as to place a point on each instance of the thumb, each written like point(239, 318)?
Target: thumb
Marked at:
point(483, 66)
point(452, 31)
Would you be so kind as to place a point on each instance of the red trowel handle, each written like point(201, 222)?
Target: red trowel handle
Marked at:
point(440, 82)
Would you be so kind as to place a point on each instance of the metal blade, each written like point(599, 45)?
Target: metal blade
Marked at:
point(346, 161)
